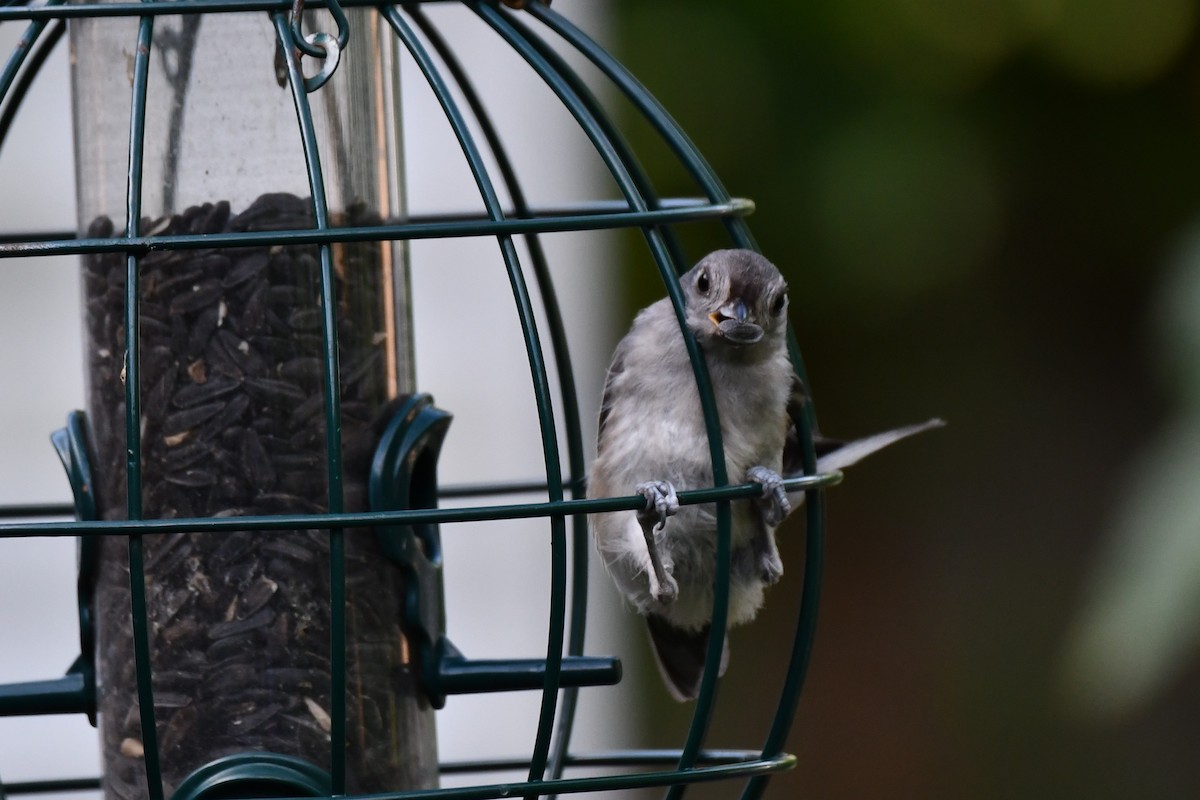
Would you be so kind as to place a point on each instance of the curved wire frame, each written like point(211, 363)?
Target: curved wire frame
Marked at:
point(530, 35)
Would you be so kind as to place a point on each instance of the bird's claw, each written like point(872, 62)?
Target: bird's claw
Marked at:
point(774, 502)
point(661, 502)
point(665, 590)
point(771, 568)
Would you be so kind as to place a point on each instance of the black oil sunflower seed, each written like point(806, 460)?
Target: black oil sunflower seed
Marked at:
point(232, 367)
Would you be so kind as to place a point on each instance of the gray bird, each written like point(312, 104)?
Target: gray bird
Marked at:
point(653, 442)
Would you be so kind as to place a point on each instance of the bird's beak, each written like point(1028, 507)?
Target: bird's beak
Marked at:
point(732, 321)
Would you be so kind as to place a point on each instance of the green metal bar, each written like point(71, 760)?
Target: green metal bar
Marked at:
point(789, 698)
point(533, 349)
point(541, 214)
point(333, 427)
point(172, 7)
point(645, 189)
point(625, 153)
point(63, 785)
point(368, 519)
point(806, 623)
point(617, 758)
point(651, 109)
point(711, 185)
point(654, 112)
point(133, 439)
point(23, 48)
point(625, 782)
point(463, 676)
point(53, 244)
point(507, 487)
point(612, 758)
point(38, 237)
point(704, 706)
point(38, 510)
point(724, 765)
point(65, 695)
point(566, 377)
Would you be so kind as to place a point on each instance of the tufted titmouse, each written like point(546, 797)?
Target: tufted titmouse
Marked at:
point(652, 440)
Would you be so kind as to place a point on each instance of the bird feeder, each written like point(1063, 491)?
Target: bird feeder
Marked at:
point(255, 473)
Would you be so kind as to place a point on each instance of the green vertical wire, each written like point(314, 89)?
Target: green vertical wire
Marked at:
point(806, 623)
point(624, 152)
point(814, 554)
point(815, 519)
point(704, 175)
point(675, 137)
point(133, 432)
point(333, 417)
point(22, 49)
point(13, 65)
point(677, 140)
point(686, 152)
point(566, 378)
point(705, 700)
point(653, 111)
point(702, 714)
point(558, 578)
point(613, 151)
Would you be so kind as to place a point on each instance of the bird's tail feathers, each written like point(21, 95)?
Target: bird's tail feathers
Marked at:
point(680, 655)
point(853, 452)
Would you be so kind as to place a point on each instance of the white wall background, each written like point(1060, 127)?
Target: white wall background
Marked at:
point(469, 355)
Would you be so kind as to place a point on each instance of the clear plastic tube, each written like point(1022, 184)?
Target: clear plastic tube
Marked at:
point(231, 397)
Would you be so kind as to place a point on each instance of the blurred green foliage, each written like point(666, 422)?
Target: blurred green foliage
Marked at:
point(975, 204)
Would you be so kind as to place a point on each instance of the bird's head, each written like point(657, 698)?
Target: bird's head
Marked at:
point(736, 297)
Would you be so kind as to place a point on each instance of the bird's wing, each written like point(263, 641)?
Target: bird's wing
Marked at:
point(793, 449)
point(606, 401)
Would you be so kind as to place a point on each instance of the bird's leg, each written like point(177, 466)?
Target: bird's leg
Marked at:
point(661, 502)
point(774, 502)
point(775, 507)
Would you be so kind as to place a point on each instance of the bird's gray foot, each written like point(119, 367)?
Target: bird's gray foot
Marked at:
point(661, 503)
point(774, 502)
point(771, 567)
point(663, 587)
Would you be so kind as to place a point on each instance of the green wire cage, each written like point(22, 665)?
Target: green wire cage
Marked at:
point(256, 499)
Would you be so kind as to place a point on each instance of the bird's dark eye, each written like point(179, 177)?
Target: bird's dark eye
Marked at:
point(702, 283)
point(778, 302)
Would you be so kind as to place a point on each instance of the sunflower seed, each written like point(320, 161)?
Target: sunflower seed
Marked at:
point(232, 365)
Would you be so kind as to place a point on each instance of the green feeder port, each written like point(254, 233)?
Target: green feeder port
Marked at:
point(254, 775)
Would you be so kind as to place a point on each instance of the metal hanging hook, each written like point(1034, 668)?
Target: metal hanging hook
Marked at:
point(321, 45)
point(332, 52)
